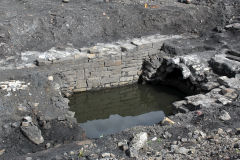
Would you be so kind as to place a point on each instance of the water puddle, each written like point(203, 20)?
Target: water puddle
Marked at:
point(112, 110)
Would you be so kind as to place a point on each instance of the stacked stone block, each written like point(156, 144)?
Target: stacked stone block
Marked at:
point(107, 65)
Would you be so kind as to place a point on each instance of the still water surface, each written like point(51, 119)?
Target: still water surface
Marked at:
point(112, 110)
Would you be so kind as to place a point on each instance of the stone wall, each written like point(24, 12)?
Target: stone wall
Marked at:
point(100, 66)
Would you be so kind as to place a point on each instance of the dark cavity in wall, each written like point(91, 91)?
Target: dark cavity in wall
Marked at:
point(112, 110)
point(175, 79)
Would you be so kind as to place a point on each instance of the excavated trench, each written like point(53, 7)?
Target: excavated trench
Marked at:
point(41, 45)
point(108, 106)
point(107, 111)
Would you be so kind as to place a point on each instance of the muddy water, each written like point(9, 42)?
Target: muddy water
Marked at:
point(112, 110)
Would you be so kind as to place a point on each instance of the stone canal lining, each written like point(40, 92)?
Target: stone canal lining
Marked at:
point(99, 66)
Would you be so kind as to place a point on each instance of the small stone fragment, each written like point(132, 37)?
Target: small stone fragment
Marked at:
point(183, 150)
point(106, 155)
point(223, 100)
point(120, 144)
point(154, 139)
point(229, 92)
point(48, 145)
point(167, 135)
point(220, 131)
point(70, 114)
point(180, 150)
point(90, 56)
point(35, 104)
point(224, 116)
point(125, 147)
point(27, 119)
point(112, 155)
point(184, 140)
point(25, 124)
point(50, 78)
point(22, 108)
point(174, 147)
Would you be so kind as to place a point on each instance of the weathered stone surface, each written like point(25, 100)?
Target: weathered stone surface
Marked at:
point(191, 69)
point(197, 101)
point(229, 92)
point(180, 106)
point(185, 71)
point(98, 63)
point(233, 26)
point(142, 43)
point(210, 85)
point(33, 133)
point(126, 79)
point(223, 100)
point(138, 142)
point(81, 84)
point(224, 116)
point(229, 82)
point(223, 65)
point(180, 150)
point(127, 47)
point(13, 85)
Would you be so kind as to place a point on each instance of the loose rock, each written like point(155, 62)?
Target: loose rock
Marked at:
point(32, 132)
point(224, 116)
point(48, 145)
point(138, 142)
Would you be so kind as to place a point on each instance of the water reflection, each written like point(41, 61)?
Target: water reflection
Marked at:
point(104, 111)
point(116, 123)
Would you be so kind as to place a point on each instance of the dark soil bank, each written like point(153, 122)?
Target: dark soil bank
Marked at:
point(50, 49)
point(39, 25)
